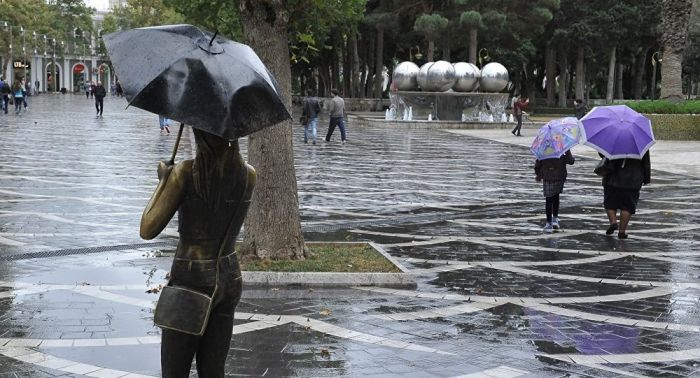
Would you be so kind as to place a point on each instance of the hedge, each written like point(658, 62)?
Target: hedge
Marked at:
point(665, 107)
point(675, 126)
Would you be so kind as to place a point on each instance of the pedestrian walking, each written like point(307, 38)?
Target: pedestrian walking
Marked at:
point(36, 86)
point(18, 94)
point(100, 94)
point(164, 123)
point(5, 92)
point(622, 183)
point(26, 89)
point(518, 108)
point(93, 87)
point(336, 109)
point(310, 111)
point(580, 108)
point(120, 90)
point(552, 173)
point(87, 86)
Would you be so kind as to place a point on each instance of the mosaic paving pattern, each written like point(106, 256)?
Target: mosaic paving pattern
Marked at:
point(496, 297)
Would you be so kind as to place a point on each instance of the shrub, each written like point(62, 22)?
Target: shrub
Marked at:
point(665, 107)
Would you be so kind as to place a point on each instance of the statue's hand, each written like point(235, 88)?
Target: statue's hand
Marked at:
point(164, 168)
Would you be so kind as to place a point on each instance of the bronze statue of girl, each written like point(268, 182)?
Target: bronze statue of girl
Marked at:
point(211, 194)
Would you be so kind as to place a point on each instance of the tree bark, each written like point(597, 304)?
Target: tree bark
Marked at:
point(369, 80)
point(379, 66)
point(640, 69)
point(674, 23)
point(447, 47)
point(551, 74)
point(472, 45)
point(347, 85)
point(580, 68)
point(273, 224)
point(611, 76)
point(431, 50)
point(620, 73)
point(354, 65)
point(563, 78)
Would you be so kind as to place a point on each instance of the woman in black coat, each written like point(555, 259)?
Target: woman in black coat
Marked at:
point(552, 173)
point(621, 190)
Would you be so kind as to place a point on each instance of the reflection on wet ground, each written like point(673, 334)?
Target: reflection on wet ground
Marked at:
point(495, 296)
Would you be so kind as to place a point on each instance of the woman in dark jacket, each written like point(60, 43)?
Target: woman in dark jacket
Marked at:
point(552, 173)
point(621, 190)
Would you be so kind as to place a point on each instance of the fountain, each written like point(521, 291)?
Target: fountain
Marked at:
point(447, 91)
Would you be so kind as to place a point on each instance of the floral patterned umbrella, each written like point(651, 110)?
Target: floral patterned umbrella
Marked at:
point(556, 137)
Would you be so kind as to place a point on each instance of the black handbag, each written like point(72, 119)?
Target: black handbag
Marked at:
point(604, 167)
point(186, 310)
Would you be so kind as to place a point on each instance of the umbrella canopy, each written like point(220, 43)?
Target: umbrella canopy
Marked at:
point(194, 77)
point(617, 132)
point(556, 137)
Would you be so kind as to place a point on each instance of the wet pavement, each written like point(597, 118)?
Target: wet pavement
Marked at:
point(495, 296)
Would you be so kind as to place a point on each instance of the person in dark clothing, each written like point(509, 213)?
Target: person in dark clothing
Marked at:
point(119, 90)
point(621, 191)
point(100, 94)
point(552, 173)
point(518, 108)
point(310, 110)
point(580, 108)
point(4, 95)
point(93, 87)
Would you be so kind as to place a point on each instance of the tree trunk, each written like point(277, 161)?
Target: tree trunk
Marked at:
point(674, 23)
point(551, 74)
point(580, 68)
point(347, 85)
point(369, 80)
point(563, 78)
point(620, 73)
point(379, 66)
point(640, 68)
point(431, 50)
point(671, 79)
point(335, 69)
point(611, 76)
point(354, 65)
point(447, 47)
point(472, 45)
point(273, 224)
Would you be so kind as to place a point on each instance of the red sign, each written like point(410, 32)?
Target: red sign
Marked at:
point(79, 68)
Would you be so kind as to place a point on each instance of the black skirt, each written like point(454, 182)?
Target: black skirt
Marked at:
point(618, 198)
point(552, 188)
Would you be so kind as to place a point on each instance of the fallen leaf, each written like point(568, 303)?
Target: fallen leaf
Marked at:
point(307, 328)
point(167, 275)
point(325, 312)
point(325, 353)
point(275, 289)
point(155, 289)
point(84, 284)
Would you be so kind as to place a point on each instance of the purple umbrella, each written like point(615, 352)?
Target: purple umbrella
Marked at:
point(617, 132)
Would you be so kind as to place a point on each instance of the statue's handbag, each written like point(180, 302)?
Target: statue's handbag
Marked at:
point(185, 310)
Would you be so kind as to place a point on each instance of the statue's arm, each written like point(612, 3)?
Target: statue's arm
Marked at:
point(165, 200)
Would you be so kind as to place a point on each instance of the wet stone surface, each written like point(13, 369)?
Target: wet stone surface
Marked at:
point(511, 302)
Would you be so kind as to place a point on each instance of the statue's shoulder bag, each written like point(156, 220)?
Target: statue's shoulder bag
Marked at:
point(186, 310)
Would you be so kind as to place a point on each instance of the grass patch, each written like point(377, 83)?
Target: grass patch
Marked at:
point(330, 257)
point(665, 107)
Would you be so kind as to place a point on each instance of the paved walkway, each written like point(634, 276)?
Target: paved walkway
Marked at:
point(496, 297)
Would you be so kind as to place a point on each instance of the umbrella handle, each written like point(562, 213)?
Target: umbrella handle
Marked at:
point(177, 143)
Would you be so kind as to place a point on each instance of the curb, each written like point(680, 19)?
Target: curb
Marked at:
point(329, 279)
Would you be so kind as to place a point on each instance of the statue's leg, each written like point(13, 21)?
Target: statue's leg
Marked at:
point(177, 350)
point(213, 349)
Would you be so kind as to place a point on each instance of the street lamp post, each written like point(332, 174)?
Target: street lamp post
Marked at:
point(24, 56)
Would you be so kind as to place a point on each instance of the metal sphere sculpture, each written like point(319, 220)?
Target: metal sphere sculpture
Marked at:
point(436, 76)
point(467, 75)
point(494, 78)
point(405, 76)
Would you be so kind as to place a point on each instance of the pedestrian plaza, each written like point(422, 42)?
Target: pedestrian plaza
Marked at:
point(495, 298)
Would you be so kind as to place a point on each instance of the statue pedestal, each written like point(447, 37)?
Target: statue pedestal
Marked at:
point(451, 106)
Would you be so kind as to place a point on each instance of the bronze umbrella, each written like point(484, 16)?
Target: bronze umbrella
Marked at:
point(197, 78)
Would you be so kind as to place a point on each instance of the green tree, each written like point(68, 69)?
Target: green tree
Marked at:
point(675, 16)
point(142, 13)
point(431, 26)
point(472, 21)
